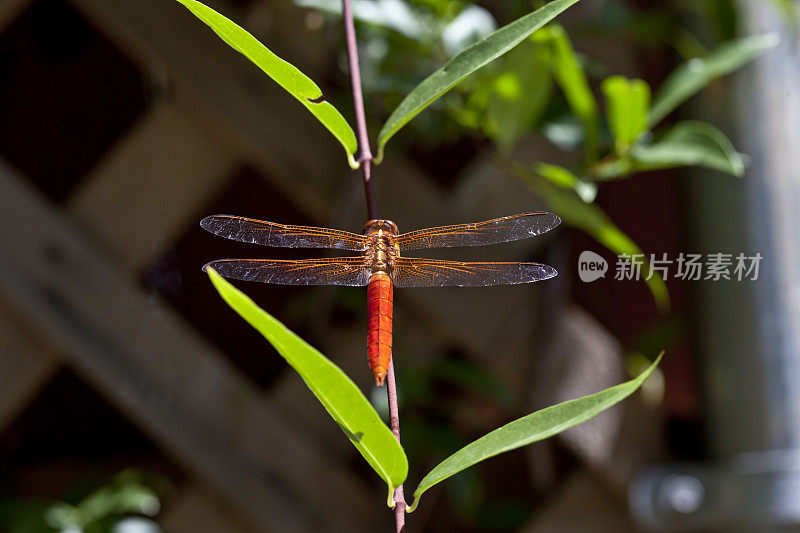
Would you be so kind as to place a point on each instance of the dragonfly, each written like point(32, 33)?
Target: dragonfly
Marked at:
point(381, 267)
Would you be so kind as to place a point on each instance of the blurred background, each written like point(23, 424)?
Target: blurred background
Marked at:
point(133, 400)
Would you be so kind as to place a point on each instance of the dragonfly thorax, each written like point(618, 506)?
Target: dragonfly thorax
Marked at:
point(381, 246)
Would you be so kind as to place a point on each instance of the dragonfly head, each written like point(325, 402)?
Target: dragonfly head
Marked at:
point(385, 225)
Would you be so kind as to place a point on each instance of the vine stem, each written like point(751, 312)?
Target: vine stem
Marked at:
point(364, 152)
point(394, 422)
point(365, 159)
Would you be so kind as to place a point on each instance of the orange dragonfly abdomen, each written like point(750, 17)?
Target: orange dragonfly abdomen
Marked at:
point(379, 325)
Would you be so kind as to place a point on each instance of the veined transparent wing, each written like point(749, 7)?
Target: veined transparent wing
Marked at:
point(494, 231)
point(265, 233)
point(349, 271)
point(416, 272)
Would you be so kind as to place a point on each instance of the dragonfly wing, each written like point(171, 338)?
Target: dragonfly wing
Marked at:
point(414, 272)
point(494, 231)
point(349, 271)
point(254, 231)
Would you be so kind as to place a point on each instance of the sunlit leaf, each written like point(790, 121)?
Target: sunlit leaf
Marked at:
point(128, 493)
point(285, 74)
point(531, 428)
point(520, 93)
point(690, 143)
point(690, 77)
point(627, 105)
point(569, 74)
point(590, 218)
point(558, 175)
point(464, 64)
point(337, 393)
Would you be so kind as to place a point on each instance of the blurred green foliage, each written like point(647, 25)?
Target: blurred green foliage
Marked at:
point(130, 493)
point(473, 58)
point(545, 88)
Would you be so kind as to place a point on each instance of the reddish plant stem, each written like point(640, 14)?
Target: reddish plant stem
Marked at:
point(365, 158)
point(394, 423)
point(369, 190)
point(364, 152)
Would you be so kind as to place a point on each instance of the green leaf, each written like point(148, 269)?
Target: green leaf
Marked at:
point(519, 93)
point(589, 218)
point(531, 428)
point(118, 500)
point(570, 76)
point(464, 64)
point(285, 74)
point(627, 104)
point(558, 175)
point(337, 393)
point(690, 143)
point(690, 77)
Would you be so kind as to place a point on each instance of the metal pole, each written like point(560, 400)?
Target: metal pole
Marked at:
point(749, 331)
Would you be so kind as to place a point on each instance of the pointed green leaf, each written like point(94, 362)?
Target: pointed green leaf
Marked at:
point(690, 143)
point(690, 77)
point(285, 74)
point(570, 76)
point(464, 64)
point(337, 393)
point(627, 105)
point(531, 428)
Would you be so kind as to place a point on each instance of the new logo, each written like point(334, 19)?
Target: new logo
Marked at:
point(591, 266)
